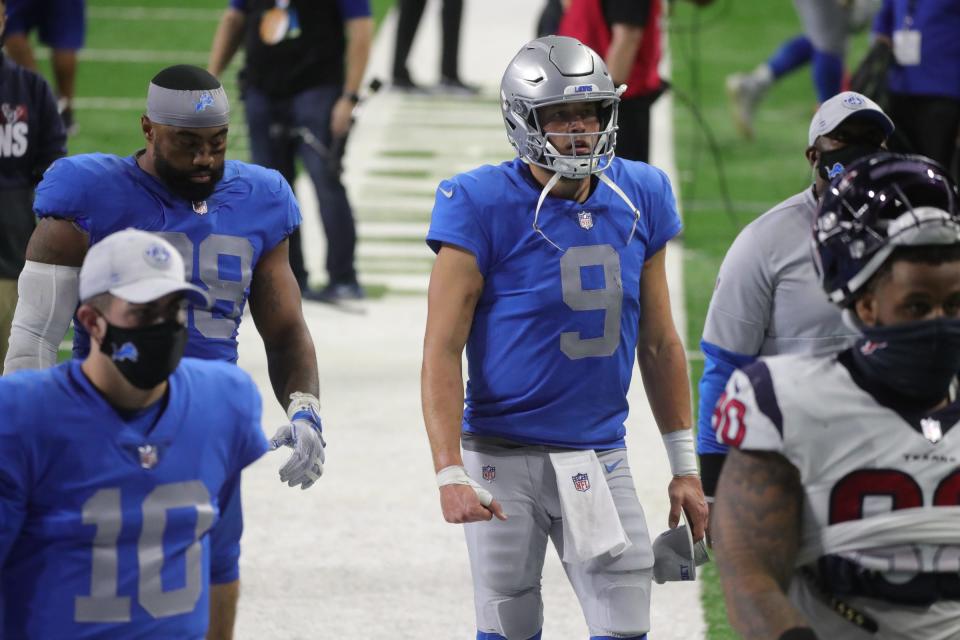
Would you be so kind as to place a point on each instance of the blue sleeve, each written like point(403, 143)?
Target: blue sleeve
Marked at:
point(61, 193)
point(883, 21)
point(225, 537)
point(13, 485)
point(455, 220)
point(354, 8)
point(239, 5)
point(252, 443)
point(249, 445)
point(663, 221)
point(719, 365)
point(287, 211)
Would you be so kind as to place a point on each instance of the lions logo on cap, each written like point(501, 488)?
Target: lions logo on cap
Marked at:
point(157, 256)
point(206, 100)
point(853, 102)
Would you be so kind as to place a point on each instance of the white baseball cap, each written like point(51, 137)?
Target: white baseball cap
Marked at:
point(837, 109)
point(138, 267)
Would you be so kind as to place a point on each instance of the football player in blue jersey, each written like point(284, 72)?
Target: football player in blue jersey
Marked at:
point(229, 220)
point(538, 274)
point(120, 474)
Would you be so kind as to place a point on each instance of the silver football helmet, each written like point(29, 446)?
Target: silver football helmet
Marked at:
point(553, 70)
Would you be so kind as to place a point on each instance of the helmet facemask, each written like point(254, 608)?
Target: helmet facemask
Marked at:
point(576, 164)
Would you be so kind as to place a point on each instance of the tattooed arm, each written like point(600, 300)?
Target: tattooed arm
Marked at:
point(277, 312)
point(756, 537)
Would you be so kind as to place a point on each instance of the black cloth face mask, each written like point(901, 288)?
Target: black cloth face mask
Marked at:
point(146, 356)
point(833, 163)
point(918, 360)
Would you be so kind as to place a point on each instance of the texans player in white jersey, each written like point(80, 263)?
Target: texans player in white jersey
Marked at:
point(837, 510)
point(538, 276)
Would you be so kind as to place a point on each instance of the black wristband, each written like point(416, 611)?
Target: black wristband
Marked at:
point(798, 633)
point(352, 97)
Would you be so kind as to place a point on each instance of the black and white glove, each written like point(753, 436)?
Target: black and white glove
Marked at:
point(303, 434)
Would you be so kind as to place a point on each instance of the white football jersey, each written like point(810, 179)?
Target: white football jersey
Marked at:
point(880, 523)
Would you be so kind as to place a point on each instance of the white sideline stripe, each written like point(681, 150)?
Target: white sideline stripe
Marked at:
point(154, 13)
point(134, 55)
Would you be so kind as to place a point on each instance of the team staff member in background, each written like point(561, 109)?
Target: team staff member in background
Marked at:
point(538, 275)
point(627, 34)
point(303, 68)
point(61, 25)
point(924, 78)
point(229, 219)
point(113, 468)
point(34, 137)
point(768, 300)
point(409, 13)
point(837, 514)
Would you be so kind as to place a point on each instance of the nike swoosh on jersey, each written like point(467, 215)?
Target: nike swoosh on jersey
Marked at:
point(613, 465)
point(449, 193)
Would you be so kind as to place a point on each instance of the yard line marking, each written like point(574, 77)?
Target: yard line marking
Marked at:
point(134, 55)
point(154, 13)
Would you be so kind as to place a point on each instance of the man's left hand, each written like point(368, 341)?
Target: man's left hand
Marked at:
point(303, 435)
point(686, 492)
point(340, 118)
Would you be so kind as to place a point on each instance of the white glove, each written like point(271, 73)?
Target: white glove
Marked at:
point(304, 436)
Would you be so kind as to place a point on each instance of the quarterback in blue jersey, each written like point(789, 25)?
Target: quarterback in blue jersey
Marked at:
point(550, 271)
point(228, 219)
point(120, 474)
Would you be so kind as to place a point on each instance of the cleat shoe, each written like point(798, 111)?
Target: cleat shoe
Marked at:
point(335, 293)
point(745, 92)
point(455, 86)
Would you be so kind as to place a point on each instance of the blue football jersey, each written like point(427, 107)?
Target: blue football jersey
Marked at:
point(111, 531)
point(554, 335)
point(222, 238)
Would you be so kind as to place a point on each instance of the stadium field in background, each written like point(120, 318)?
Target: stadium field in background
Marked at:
point(128, 41)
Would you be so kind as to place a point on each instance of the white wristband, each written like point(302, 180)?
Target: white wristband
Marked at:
point(300, 400)
point(680, 452)
point(455, 474)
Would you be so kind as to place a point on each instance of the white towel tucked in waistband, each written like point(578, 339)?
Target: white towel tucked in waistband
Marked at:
point(591, 524)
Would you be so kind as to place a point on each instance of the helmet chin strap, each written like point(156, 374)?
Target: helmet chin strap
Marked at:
point(602, 176)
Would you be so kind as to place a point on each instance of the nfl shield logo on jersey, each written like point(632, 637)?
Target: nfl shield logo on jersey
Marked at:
point(148, 456)
point(586, 220)
point(489, 472)
point(200, 207)
point(581, 482)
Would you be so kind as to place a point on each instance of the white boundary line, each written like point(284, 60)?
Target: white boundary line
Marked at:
point(154, 13)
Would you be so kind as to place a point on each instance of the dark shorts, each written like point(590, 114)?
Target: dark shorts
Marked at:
point(60, 23)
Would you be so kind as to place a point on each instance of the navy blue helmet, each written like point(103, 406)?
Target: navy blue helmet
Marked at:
point(881, 202)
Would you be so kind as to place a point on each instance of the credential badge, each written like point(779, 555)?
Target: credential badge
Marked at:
point(489, 472)
point(586, 220)
point(148, 456)
point(581, 482)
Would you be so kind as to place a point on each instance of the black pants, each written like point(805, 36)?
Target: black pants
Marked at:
point(927, 125)
point(550, 17)
point(407, 23)
point(276, 140)
point(633, 137)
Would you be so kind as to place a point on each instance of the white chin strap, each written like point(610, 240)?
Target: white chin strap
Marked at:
point(552, 182)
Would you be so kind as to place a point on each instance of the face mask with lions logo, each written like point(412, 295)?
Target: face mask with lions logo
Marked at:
point(146, 356)
point(833, 163)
